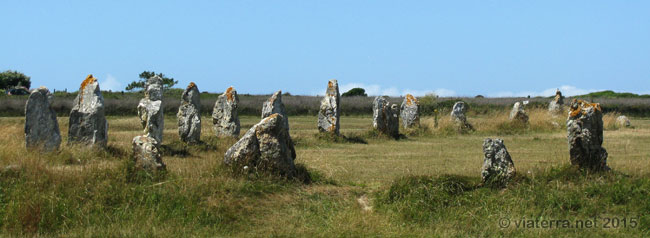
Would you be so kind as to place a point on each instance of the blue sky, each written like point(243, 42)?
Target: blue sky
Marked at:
point(453, 48)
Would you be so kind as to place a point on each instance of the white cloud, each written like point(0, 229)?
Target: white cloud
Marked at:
point(376, 90)
point(110, 83)
point(567, 90)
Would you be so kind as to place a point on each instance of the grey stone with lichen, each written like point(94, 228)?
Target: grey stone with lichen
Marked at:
point(225, 119)
point(265, 148)
point(41, 126)
point(623, 121)
point(518, 113)
point(385, 117)
point(556, 105)
point(146, 155)
point(585, 136)
point(459, 118)
point(274, 105)
point(189, 115)
point(150, 109)
point(87, 122)
point(330, 112)
point(410, 111)
point(498, 168)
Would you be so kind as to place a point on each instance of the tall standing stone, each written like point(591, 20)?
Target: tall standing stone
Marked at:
point(189, 115)
point(585, 135)
point(88, 122)
point(224, 114)
point(623, 121)
point(459, 118)
point(385, 117)
point(150, 109)
point(518, 113)
point(498, 168)
point(146, 155)
point(267, 147)
point(329, 113)
point(410, 111)
point(41, 126)
point(556, 105)
point(275, 105)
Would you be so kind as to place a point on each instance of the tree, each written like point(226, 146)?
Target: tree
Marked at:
point(355, 92)
point(10, 79)
point(167, 82)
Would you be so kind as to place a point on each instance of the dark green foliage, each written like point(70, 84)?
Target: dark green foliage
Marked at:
point(167, 82)
point(355, 92)
point(10, 79)
point(612, 94)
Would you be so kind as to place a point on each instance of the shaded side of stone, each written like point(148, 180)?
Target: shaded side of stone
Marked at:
point(274, 105)
point(385, 117)
point(41, 126)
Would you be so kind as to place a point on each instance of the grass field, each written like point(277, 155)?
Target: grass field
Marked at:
point(421, 186)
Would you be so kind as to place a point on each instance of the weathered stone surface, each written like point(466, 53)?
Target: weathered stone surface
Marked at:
point(498, 168)
point(329, 113)
point(41, 127)
point(224, 114)
point(189, 115)
point(518, 113)
point(585, 135)
point(88, 123)
point(267, 147)
point(458, 116)
point(623, 121)
point(410, 111)
point(150, 109)
point(557, 104)
point(385, 117)
point(146, 155)
point(275, 105)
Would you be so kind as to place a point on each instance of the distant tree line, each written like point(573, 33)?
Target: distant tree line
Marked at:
point(167, 82)
point(10, 79)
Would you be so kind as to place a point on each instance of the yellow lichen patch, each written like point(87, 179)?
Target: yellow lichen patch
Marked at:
point(410, 100)
point(88, 80)
point(330, 85)
point(229, 95)
point(577, 106)
point(191, 85)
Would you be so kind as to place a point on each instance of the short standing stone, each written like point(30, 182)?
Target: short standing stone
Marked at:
point(267, 147)
point(146, 155)
point(585, 135)
point(150, 109)
point(518, 113)
point(385, 117)
point(41, 126)
point(189, 115)
point(410, 111)
point(224, 114)
point(498, 168)
point(556, 105)
point(623, 121)
point(329, 113)
point(275, 105)
point(459, 118)
point(88, 123)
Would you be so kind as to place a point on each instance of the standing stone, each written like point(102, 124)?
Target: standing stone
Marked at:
point(498, 167)
point(267, 147)
point(150, 109)
point(189, 115)
point(275, 105)
point(410, 111)
point(518, 113)
point(385, 117)
point(146, 155)
point(41, 127)
point(329, 113)
point(585, 135)
point(88, 123)
point(623, 121)
point(224, 114)
point(458, 116)
point(556, 105)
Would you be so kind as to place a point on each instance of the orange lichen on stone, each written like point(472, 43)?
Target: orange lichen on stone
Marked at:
point(410, 100)
point(88, 80)
point(577, 106)
point(229, 95)
point(191, 85)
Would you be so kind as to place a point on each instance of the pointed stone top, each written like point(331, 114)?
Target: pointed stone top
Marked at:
point(332, 88)
point(89, 79)
point(410, 100)
point(578, 107)
point(277, 95)
point(191, 85)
